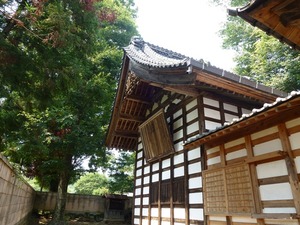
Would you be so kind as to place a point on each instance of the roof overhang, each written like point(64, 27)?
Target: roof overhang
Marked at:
point(148, 70)
point(282, 110)
point(280, 18)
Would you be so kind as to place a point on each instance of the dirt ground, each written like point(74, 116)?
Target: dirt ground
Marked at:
point(77, 221)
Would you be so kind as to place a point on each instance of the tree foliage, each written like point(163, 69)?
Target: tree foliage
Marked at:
point(59, 64)
point(92, 184)
point(259, 55)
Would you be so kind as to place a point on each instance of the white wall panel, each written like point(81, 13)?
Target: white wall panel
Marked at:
point(193, 127)
point(154, 212)
point(212, 113)
point(196, 214)
point(195, 198)
point(136, 221)
point(213, 150)
point(146, 180)
point(194, 154)
point(137, 201)
point(234, 142)
point(279, 210)
point(191, 104)
point(177, 135)
point(165, 212)
point(155, 167)
point(179, 213)
point(146, 169)
point(178, 146)
point(280, 191)
point(267, 147)
point(145, 211)
point(145, 222)
point(265, 132)
point(236, 154)
point(214, 160)
point(297, 162)
point(177, 114)
point(230, 107)
point(165, 222)
point(293, 123)
point(166, 163)
point(178, 123)
point(246, 111)
point(294, 139)
point(195, 182)
point(155, 177)
point(166, 175)
point(139, 163)
point(136, 211)
point(146, 201)
point(139, 172)
point(194, 168)
point(137, 191)
point(211, 102)
point(192, 115)
point(178, 172)
point(138, 182)
point(140, 154)
point(146, 190)
point(271, 169)
point(210, 125)
point(178, 159)
point(242, 220)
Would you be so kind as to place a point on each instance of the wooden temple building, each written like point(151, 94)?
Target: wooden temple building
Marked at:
point(211, 147)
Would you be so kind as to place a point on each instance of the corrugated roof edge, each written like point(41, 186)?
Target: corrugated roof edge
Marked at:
point(254, 112)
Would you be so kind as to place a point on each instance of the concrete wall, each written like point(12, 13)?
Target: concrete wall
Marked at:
point(16, 196)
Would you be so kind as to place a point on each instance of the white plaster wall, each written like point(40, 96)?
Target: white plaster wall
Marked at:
point(137, 211)
point(241, 220)
point(281, 191)
point(137, 191)
point(154, 212)
point(193, 127)
point(194, 154)
point(281, 222)
point(137, 201)
point(194, 168)
point(145, 211)
point(155, 177)
point(166, 163)
point(234, 142)
point(177, 114)
point(263, 133)
point(294, 139)
point(179, 213)
point(179, 172)
point(139, 155)
point(138, 182)
point(177, 135)
point(271, 169)
point(236, 154)
point(191, 104)
point(178, 146)
point(210, 125)
point(213, 161)
point(195, 182)
point(293, 123)
point(139, 163)
point(267, 147)
point(178, 123)
point(230, 107)
point(212, 113)
point(166, 175)
point(146, 190)
point(195, 198)
point(192, 115)
point(146, 169)
point(146, 180)
point(279, 210)
point(196, 214)
point(178, 159)
point(213, 150)
point(211, 102)
point(145, 222)
point(155, 167)
point(165, 212)
point(136, 221)
point(146, 201)
point(229, 117)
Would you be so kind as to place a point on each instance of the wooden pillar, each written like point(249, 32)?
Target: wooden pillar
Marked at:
point(290, 164)
point(254, 180)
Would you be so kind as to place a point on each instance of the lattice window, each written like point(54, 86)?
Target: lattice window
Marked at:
point(156, 137)
point(163, 191)
point(228, 190)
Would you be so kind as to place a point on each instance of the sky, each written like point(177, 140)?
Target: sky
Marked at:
point(189, 27)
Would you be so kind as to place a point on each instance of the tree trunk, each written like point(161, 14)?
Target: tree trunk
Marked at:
point(59, 212)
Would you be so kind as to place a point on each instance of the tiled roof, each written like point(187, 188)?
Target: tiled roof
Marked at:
point(254, 112)
point(154, 56)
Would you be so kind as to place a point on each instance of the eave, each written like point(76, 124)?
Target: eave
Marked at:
point(279, 18)
point(146, 74)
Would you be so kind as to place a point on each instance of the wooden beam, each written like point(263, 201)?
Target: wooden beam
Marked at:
point(291, 166)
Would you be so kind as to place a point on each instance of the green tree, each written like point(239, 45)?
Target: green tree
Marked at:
point(258, 55)
point(120, 170)
point(92, 184)
point(59, 63)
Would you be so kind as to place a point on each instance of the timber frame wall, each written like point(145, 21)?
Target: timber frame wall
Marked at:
point(254, 178)
point(169, 190)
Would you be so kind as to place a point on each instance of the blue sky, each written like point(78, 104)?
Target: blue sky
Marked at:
point(188, 27)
